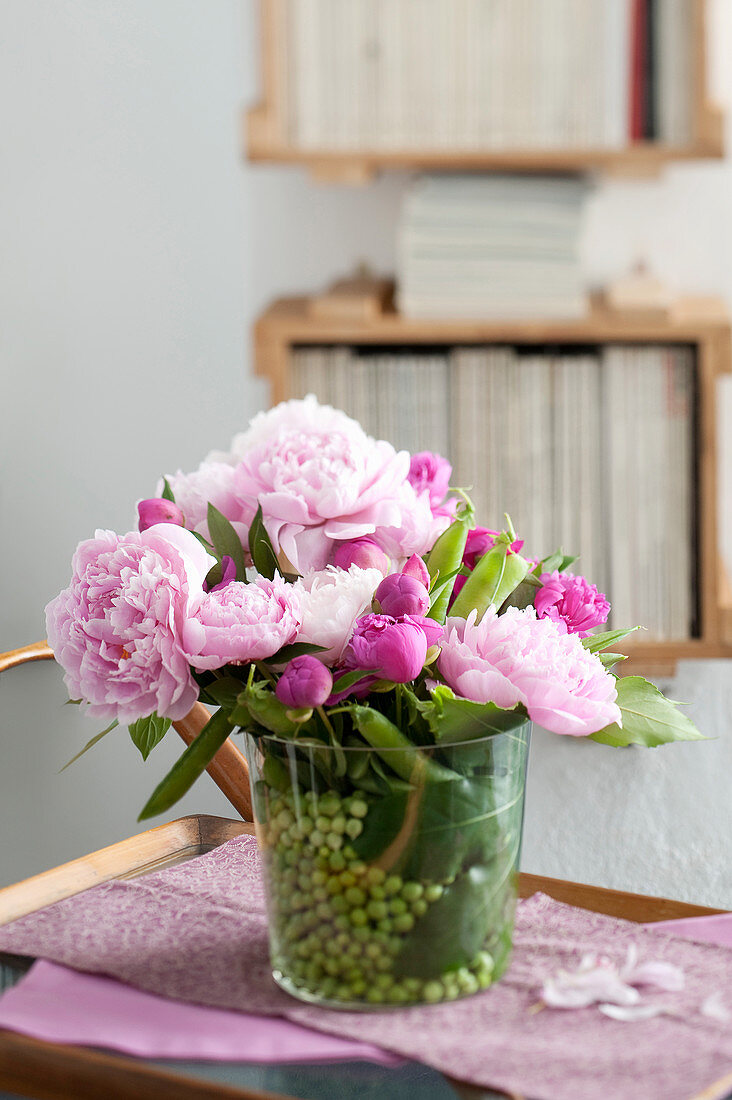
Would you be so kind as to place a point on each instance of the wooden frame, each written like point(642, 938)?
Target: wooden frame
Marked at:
point(31, 1067)
point(701, 322)
point(266, 139)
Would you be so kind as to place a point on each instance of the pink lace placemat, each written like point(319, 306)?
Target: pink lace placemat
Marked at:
point(197, 932)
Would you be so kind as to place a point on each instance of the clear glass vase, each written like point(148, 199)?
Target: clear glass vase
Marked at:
point(390, 873)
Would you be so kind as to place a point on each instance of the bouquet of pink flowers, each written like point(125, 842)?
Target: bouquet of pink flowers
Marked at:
point(330, 596)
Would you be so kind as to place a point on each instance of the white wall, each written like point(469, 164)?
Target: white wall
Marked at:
point(135, 249)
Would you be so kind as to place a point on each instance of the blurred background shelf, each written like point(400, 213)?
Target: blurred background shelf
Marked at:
point(352, 88)
point(371, 361)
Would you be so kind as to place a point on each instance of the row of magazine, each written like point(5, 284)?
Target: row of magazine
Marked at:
point(468, 74)
point(589, 449)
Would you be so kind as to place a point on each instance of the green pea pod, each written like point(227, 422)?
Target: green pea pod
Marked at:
point(189, 766)
point(266, 709)
point(494, 578)
point(401, 754)
point(445, 558)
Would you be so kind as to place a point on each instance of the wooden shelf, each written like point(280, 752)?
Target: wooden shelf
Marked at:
point(701, 322)
point(266, 130)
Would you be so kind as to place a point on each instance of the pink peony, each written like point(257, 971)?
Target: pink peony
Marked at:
point(415, 567)
point(572, 602)
point(430, 473)
point(396, 648)
point(320, 479)
point(241, 622)
point(116, 629)
point(330, 601)
point(517, 658)
point(212, 482)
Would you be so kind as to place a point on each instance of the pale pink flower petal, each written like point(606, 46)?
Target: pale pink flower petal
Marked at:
point(631, 1013)
point(715, 1009)
point(242, 622)
point(331, 600)
point(517, 658)
point(660, 975)
point(592, 983)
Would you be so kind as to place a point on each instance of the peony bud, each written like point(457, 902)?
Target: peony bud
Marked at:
point(306, 682)
point(395, 648)
point(157, 510)
point(363, 552)
point(399, 594)
point(415, 567)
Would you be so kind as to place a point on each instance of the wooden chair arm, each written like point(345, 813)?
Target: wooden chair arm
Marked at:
point(228, 769)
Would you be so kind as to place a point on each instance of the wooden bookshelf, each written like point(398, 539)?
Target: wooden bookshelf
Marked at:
point(266, 128)
point(703, 323)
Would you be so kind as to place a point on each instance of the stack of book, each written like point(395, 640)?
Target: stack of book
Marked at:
point(497, 74)
point(492, 247)
point(591, 450)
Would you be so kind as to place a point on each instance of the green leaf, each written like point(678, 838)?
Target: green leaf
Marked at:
point(167, 493)
point(261, 549)
point(89, 744)
point(381, 825)
point(597, 642)
point(189, 766)
point(453, 719)
point(350, 679)
point(148, 732)
point(297, 649)
point(225, 692)
point(454, 928)
point(558, 560)
point(610, 659)
point(226, 541)
point(648, 718)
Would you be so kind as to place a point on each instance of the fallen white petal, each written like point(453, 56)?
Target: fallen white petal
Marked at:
point(662, 975)
point(715, 1009)
point(630, 1013)
point(588, 985)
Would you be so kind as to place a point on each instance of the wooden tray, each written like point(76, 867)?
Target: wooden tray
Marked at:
point(30, 1067)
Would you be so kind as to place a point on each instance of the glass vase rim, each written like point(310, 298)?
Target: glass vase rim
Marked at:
point(310, 743)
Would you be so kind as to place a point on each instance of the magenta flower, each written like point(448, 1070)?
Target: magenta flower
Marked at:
point(430, 473)
point(306, 682)
point(415, 567)
point(228, 573)
point(364, 552)
point(116, 629)
point(517, 658)
point(241, 622)
point(572, 602)
point(395, 648)
point(157, 510)
point(399, 594)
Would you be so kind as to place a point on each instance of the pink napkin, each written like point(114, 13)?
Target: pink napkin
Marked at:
point(197, 932)
point(63, 1006)
point(714, 929)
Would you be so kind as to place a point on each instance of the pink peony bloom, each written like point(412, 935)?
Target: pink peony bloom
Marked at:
point(331, 600)
point(212, 482)
point(430, 473)
point(395, 648)
point(399, 594)
point(364, 553)
point(572, 602)
point(517, 658)
point(157, 510)
point(241, 622)
point(306, 682)
point(320, 479)
point(116, 629)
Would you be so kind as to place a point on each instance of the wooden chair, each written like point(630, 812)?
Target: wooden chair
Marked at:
point(228, 769)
